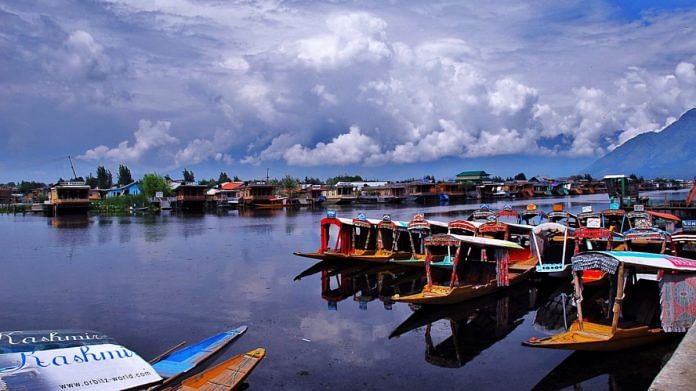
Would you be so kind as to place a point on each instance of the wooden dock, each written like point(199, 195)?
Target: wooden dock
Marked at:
point(680, 372)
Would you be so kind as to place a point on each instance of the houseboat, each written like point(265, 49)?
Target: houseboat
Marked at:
point(425, 193)
point(68, 198)
point(639, 310)
point(260, 195)
point(341, 194)
point(189, 198)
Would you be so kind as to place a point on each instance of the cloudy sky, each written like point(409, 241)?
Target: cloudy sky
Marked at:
point(388, 89)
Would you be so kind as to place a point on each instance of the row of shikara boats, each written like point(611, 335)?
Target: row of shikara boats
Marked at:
point(629, 252)
point(85, 359)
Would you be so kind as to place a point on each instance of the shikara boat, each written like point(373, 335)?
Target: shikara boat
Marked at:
point(644, 237)
point(480, 266)
point(483, 214)
point(175, 364)
point(631, 317)
point(363, 239)
point(684, 240)
point(418, 230)
point(560, 216)
point(228, 375)
point(531, 215)
point(556, 249)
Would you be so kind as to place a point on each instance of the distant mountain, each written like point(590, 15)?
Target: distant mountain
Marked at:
point(669, 153)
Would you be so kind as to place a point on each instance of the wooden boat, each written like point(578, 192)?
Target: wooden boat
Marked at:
point(362, 239)
point(560, 216)
point(483, 214)
point(228, 375)
point(480, 266)
point(556, 249)
point(418, 230)
point(531, 215)
point(632, 323)
point(684, 240)
point(174, 364)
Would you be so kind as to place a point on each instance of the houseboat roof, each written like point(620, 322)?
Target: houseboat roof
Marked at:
point(477, 174)
point(71, 185)
point(231, 185)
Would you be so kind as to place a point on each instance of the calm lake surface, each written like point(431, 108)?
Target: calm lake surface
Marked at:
point(153, 281)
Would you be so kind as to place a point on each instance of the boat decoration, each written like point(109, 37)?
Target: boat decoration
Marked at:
point(555, 238)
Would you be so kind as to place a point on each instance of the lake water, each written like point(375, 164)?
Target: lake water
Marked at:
point(153, 281)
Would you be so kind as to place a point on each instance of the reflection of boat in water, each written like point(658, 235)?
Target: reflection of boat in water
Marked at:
point(634, 319)
point(363, 281)
point(474, 325)
point(636, 371)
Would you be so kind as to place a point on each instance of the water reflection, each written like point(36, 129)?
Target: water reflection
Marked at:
point(364, 282)
point(76, 221)
point(470, 327)
point(632, 369)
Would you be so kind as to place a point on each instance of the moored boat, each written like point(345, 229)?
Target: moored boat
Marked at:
point(228, 375)
point(480, 266)
point(630, 318)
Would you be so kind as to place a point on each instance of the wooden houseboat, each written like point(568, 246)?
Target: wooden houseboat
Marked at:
point(490, 191)
point(632, 315)
point(189, 198)
point(260, 195)
point(68, 198)
point(393, 193)
point(425, 193)
point(341, 194)
point(481, 266)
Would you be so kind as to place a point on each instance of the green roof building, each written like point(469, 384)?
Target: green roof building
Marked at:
point(473, 176)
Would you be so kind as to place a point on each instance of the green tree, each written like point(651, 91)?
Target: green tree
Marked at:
point(91, 181)
point(344, 178)
point(520, 177)
point(188, 176)
point(236, 179)
point(124, 175)
point(223, 178)
point(208, 182)
point(104, 178)
point(152, 183)
point(289, 184)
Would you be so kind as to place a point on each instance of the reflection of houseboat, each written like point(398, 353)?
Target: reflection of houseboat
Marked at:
point(341, 194)
point(189, 198)
point(68, 198)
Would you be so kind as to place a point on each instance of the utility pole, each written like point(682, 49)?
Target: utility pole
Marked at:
point(267, 177)
point(73, 167)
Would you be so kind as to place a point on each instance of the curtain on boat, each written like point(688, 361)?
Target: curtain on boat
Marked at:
point(502, 260)
point(678, 300)
point(595, 261)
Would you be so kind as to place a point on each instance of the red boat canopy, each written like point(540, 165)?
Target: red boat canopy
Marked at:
point(665, 216)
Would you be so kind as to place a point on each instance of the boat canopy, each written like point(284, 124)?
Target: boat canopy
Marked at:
point(479, 241)
point(609, 261)
point(471, 226)
point(664, 216)
point(550, 228)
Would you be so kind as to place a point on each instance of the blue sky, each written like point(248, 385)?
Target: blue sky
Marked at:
point(385, 89)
